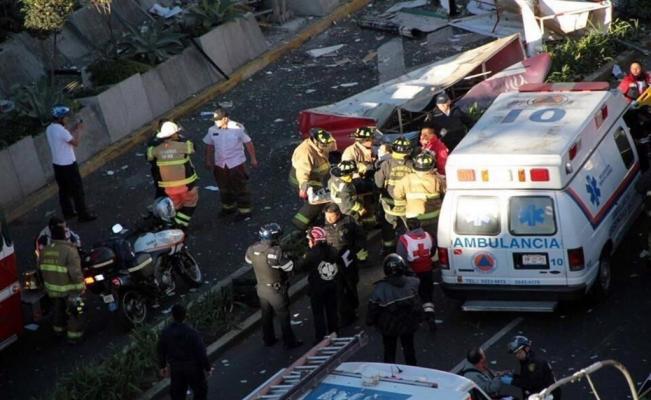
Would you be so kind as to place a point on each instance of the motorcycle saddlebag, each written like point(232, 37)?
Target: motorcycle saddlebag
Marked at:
point(99, 260)
point(142, 264)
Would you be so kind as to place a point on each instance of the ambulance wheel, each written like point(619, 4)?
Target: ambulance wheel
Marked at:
point(602, 284)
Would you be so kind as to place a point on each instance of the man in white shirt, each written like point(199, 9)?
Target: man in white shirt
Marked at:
point(66, 171)
point(225, 142)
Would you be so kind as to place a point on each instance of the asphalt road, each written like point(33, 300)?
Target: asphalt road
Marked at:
point(268, 104)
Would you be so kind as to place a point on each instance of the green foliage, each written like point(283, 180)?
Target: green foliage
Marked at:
point(14, 127)
point(206, 14)
point(35, 100)
point(638, 9)
point(120, 376)
point(151, 43)
point(108, 72)
point(46, 16)
point(573, 59)
point(213, 313)
point(11, 19)
point(475, 112)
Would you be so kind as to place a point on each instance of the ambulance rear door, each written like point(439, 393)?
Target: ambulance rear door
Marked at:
point(507, 238)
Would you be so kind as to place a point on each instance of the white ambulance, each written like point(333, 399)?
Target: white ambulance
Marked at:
point(540, 193)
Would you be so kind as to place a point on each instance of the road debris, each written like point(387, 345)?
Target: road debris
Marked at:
point(316, 53)
point(212, 188)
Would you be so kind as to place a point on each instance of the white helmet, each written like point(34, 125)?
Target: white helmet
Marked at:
point(163, 209)
point(168, 129)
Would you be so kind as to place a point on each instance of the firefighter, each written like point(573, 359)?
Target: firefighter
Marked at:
point(320, 263)
point(535, 373)
point(361, 152)
point(60, 268)
point(395, 310)
point(349, 240)
point(271, 266)
point(389, 173)
point(310, 169)
point(417, 247)
point(178, 177)
point(343, 191)
point(422, 190)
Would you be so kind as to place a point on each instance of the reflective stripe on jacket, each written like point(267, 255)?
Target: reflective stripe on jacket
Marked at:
point(423, 192)
point(60, 267)
point(172, 159)
point(310, 166)
point(362, 156)
point(390, 172)
point(344, 195)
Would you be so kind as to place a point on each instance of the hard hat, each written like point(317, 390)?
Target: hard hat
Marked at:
point(346, 167)
point(401, 145)
point(322, 137)
point(60, 111)
point(168, 129)
point(424, 162)
point(163, 209)
point(317, 234)
point(394, 265)
point(364, 133)
point(271, 231)
point(518, 343)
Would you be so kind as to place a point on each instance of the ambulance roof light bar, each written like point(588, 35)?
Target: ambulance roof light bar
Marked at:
point(305, 373)
point(564, 87)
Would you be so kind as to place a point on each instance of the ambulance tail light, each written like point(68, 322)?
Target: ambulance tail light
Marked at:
point(466, 175)
point(539, 174)
point(604, 112)
point(573, 150)
point(576, 259)
point(444, 261)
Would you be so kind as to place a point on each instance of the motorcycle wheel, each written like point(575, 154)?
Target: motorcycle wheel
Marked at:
point(189, 269)
point(132, 309)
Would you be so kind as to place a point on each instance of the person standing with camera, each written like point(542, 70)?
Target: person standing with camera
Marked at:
point(62, 144)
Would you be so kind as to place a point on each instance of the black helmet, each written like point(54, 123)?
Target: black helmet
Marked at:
point(402, 145)
point(346, 167)
point(424, 161)
point(270, 231)
point(394, 265)
point(322, 137)
point(364, 133)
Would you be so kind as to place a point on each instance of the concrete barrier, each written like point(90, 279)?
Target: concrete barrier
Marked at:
point(11, 191)
point(18, 65)
point(95, 136)
point(159, 100)
point(26, 165)
point(255, 41)
point(197, 70)
point(93, 25)
point(317, 8)
point(214, 45)
point(173, 77)
point(124, 107)
point(44, 155)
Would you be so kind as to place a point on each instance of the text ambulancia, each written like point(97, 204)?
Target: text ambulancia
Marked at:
point(540, 193)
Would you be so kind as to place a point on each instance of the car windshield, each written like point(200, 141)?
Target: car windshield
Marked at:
point(531, 215)
point(477, 215)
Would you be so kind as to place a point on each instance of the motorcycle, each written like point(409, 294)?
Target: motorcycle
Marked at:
point(152, 264)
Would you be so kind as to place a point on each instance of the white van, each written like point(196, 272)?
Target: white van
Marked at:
point(540, 193)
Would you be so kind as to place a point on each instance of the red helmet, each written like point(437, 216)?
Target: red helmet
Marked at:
point(317, 234)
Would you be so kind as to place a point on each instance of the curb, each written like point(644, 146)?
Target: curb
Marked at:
point(604, 73)
point(140, 135)
point(228, 339)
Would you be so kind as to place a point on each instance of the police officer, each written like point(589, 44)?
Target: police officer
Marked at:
point(422, 192)
point(175, 171)
point(349, 241)
point(343, 191)
point(390, 171)
point(310, 169)
point(182, 356)
point(417, 247)
point(60, 267)
point(321, 264)
point(450, 120)
point(270, 266)
point(535, 373)
point(395, 310)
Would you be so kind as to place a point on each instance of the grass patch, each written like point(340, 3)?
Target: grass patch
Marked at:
point(109, 72)
point(573, 59)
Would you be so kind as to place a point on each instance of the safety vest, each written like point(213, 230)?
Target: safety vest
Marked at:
point(418, 246)
point(310, 166)
point(423, 193)
point(172, 159)
point(61, 269)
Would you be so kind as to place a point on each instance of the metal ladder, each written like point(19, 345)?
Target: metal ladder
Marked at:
point(310, 369)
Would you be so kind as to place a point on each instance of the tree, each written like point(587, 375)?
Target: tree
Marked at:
point(45, 17)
